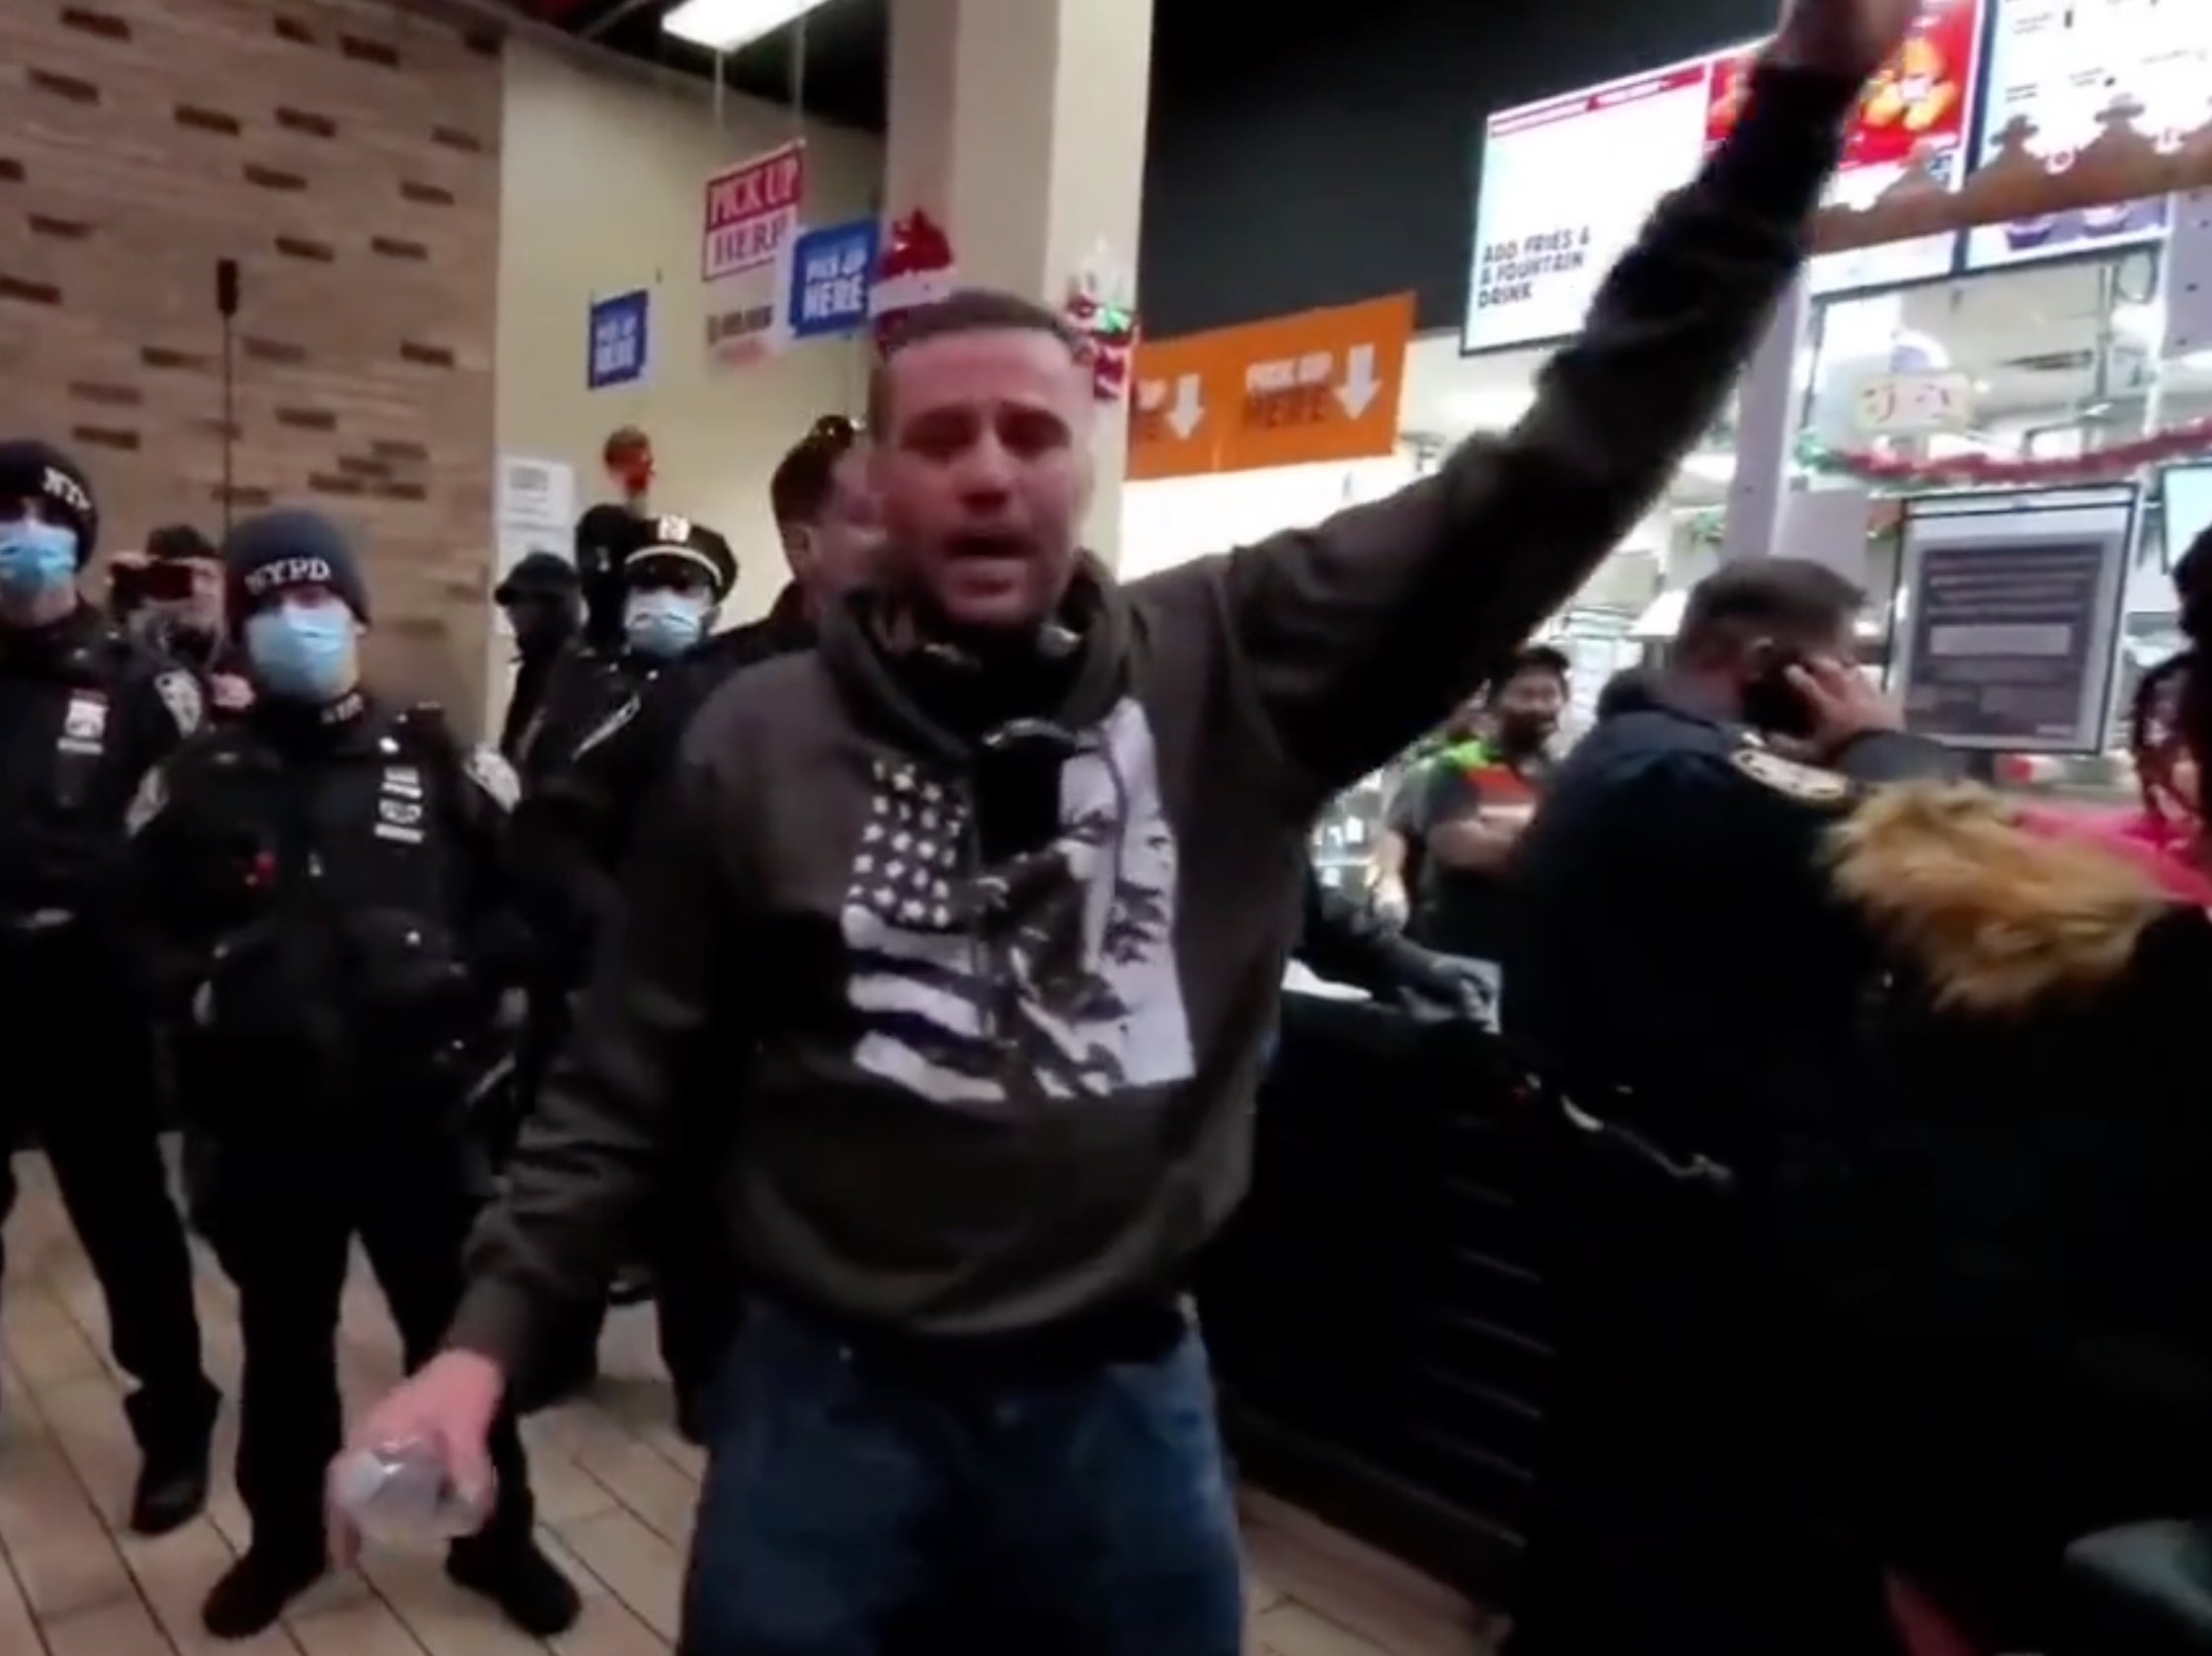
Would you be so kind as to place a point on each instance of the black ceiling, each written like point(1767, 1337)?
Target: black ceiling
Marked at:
point(1195, 45)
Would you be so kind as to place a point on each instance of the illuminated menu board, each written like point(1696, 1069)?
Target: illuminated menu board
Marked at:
point(2059, 73)
point(1567, 183)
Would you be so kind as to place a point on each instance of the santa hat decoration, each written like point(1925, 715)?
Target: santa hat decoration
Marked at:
point(628, 457)
point(1098, 307)
point(915, 269)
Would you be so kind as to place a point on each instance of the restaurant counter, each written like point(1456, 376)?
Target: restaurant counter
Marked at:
point(1380, 1331)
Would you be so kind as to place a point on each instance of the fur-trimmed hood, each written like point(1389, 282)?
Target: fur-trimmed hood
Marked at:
point(1997, 911)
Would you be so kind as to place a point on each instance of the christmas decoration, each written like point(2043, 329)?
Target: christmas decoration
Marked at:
point(628, 459)
point(1098, 307)
point(1975, 471)
point(1708, 524)
point(915, 269)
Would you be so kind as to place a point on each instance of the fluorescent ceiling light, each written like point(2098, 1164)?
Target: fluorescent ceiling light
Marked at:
point(726, 25)
point(1708, 466)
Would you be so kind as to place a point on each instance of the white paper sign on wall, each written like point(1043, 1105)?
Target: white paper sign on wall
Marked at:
point(535, 493)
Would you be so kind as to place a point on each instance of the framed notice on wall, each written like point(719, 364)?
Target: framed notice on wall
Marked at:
point(2011, 614)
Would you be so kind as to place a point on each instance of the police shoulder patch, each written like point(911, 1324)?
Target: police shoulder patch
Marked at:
point(180, 693)
point(494, 775)
point(1806, 782)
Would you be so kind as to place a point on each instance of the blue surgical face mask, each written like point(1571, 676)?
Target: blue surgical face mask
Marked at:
point(37, 559)
point(303, 652)
point(663, 623)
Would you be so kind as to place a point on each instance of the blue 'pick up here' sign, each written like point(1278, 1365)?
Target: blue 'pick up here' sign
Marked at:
point(833, 271)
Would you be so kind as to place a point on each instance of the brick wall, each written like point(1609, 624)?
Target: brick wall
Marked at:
point(347, 156)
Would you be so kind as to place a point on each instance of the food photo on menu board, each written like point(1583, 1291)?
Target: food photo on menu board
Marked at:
point(1915, 116)
point(2064, 73)
point(1567, 183)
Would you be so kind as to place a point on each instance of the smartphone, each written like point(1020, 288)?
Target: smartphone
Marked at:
point(169, 581)
point(1772, 703)
point(127, 586)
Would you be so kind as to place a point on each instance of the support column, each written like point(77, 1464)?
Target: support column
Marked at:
point(2185, 276)
point(1766, 429)
point(1019, 126)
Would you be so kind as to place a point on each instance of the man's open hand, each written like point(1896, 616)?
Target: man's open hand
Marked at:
point(1845, 705)
point(1848, 37)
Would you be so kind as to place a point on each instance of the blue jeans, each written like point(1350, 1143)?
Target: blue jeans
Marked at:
point(843, 1502)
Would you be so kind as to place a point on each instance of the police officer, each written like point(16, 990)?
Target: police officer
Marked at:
point(830, 531)
point(604, 534)
point(85, 711)
point(541, 597)
point(830, 528)
point(674, 575)
point(185, 592)
point(1683, 979)
point(325, 886)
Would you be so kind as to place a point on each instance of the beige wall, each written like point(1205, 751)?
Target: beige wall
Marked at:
point(347, 158)
point(606, 168)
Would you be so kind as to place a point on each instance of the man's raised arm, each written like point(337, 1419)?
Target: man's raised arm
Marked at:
point(1354, 636)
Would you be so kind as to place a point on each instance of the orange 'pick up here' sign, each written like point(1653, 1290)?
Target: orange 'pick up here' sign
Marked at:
point(1293, 390)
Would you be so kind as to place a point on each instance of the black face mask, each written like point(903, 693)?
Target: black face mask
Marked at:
point(1772, 703)
point(1525, 733)
point(544, 625)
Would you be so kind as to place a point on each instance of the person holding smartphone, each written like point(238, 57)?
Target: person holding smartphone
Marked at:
point(1685, 984)
point(184, 584)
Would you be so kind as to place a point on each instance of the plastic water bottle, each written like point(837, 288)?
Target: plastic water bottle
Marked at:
point(402, 1495)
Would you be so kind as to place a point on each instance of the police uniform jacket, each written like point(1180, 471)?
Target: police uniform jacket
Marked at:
point(329, 897)
point(1684, 982)
point(601, 676)
point(85, 712)
point(566, 887)
point(1676, 934)
point(579, 816)
point(582, 685)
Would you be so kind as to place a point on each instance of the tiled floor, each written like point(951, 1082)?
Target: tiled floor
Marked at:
point(614, 1488)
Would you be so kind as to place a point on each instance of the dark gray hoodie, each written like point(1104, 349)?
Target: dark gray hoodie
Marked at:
point(964, 983)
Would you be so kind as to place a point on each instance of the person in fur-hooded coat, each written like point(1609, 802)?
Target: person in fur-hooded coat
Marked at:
point(2024, 1320)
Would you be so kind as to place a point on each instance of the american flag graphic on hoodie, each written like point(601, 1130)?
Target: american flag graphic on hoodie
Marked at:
point(1053, 977)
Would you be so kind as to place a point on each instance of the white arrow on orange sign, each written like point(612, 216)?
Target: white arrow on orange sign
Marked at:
point(1361, 386)
point(1190, 407)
